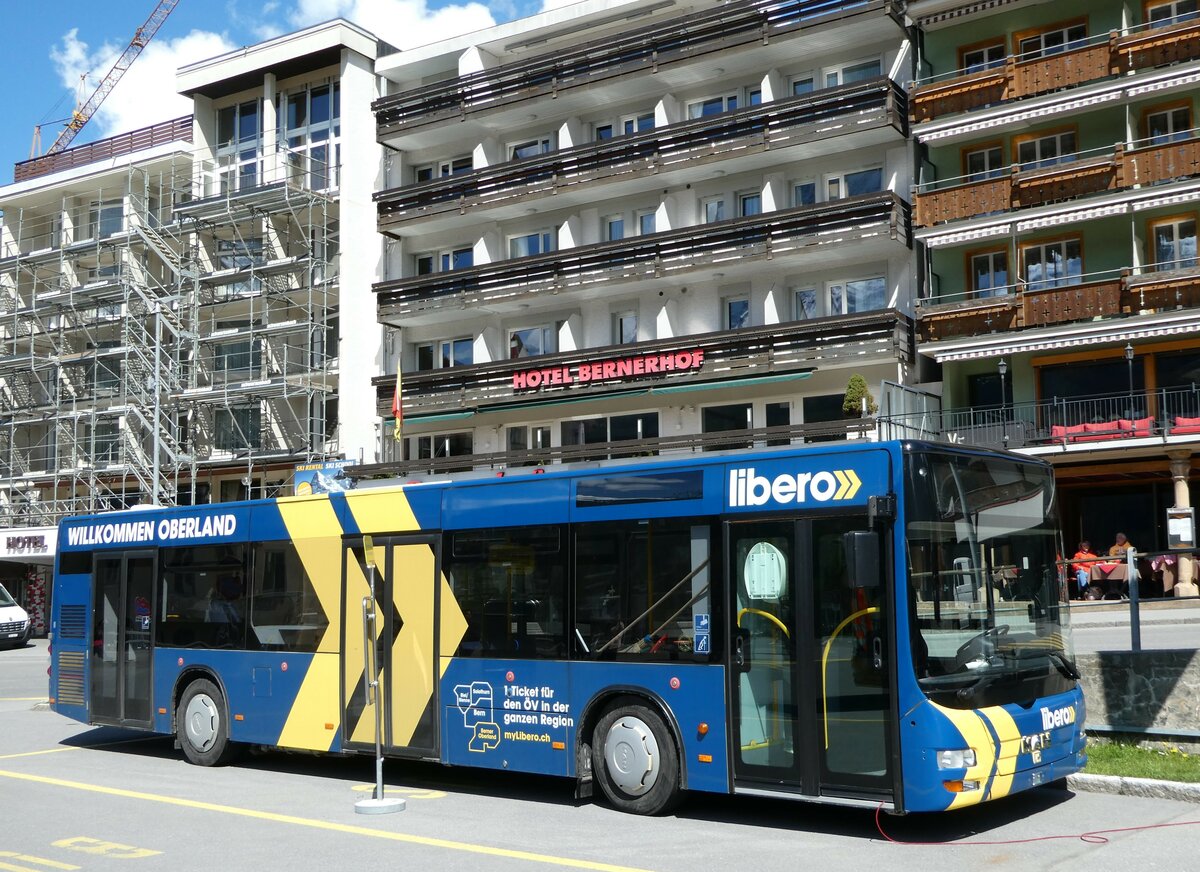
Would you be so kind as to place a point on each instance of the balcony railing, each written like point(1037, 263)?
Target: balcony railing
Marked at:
point(1100, 421)
point(1115, 53)
point(1091, 297)
point(392, 464)
point(782, 348)
point(769, 234)
point(649, 49)
point(1020, 186)
point(807, 118)
point(177, 130)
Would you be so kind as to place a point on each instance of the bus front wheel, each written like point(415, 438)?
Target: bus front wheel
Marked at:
point(635, 761)
point(202, 725)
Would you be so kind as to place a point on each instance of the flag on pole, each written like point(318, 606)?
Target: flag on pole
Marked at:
point(397, 409)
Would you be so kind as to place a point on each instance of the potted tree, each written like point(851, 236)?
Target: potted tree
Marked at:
point(858, 401)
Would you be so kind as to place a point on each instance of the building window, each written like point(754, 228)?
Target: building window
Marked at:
point(721, 419)
point(241, 356)
point(530, 342)
point(806, 304)
point(714, 209)
point(1174, 244)
point(983, 391)
point(424, 355)
point(457, 352)
point(637, 123)
point(825, 408)
point(614, 228)
point(712, 106)
point(530, 148)
point(592, 431)
point(737, 312)
point(105, 218)
point(625, 328)
point(647, 222)
point(854, 184)
point(443, 169)
point(1172, 12)
point(310, 128)
point(106, 372)
point(530, 244)
point(1052, 264)
point(804, 84)
point(984, 163)
point(444, 445)
point(460, 258)
point(107, 441)
point(778, 415)
point(857, 295)
point(856, 72)
point(1046, 149)
point(983, 57)
point(749, 203)
point(989, 273)
point(524, 438)
point(804, 193)
point(1060, 38)
point(239, 131)
point(1168, 124)
point(603, 132)
point(239, 255)
point(237, 428)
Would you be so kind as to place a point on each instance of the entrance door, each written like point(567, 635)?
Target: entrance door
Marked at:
point(810, 681)
point(122, 638)
point(405, 644)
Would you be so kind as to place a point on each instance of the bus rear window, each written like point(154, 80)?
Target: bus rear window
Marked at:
point(622, 490)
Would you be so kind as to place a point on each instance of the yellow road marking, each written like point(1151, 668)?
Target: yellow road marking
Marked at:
point(413, 792)
point(25, 858)
point(448, 844)
point(35, 753)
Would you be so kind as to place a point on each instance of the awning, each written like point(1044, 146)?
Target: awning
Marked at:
point(733, 383)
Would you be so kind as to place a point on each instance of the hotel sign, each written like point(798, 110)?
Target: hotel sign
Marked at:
point(613, 369)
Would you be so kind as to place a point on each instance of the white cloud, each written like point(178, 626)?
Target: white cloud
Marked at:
point(403, 23)
point(146, 93)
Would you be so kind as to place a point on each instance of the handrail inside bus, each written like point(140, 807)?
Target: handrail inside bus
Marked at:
point(770, 617)
point(634, 622)
point(825, 661)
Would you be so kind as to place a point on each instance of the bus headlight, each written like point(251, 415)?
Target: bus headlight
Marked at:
point(956, 759)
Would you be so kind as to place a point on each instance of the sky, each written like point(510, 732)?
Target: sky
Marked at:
point(50, 45)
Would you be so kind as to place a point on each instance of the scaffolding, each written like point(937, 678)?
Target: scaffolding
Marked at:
point(163, 322)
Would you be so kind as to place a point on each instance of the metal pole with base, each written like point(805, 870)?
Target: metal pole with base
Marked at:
point(377, 803)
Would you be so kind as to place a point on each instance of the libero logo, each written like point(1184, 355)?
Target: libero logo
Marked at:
point(1059, 717)
point(748, 488)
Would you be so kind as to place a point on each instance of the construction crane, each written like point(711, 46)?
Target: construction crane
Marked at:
point(83, 114)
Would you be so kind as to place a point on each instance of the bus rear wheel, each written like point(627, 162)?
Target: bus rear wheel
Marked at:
point(202, 725)
point(635, 761)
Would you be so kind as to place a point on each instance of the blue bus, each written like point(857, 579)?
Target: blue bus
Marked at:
point(870, 624)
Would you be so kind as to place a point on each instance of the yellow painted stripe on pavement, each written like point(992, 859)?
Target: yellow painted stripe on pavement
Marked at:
point(428, 841)
point(35, 753)
point(25, 858)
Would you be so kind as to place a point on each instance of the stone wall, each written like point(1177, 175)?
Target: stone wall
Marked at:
point(1158, 690)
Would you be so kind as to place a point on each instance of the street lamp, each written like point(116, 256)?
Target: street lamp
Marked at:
point(1002, 366)
point(1129, 367)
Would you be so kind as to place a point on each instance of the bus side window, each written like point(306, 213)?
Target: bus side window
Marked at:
point(285, 612)
point(511, 587)
point(204, 596)
point(642, 590)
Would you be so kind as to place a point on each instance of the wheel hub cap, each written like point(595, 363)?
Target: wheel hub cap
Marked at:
point(632, 756)
point(201, 721)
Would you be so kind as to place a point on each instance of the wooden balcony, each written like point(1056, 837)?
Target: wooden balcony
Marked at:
point(177, 130)
point(1119, 294)
point(1121, 169)
point(738, 24)
point(674, 252)
point(811, 117)
point(1018, 79)
point(781, 348)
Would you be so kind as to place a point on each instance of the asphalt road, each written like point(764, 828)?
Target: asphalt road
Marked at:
point(82, 798)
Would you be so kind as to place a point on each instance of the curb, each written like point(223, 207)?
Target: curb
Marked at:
point(1149, 788)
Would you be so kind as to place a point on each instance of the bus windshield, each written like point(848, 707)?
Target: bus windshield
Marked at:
point(986, 604)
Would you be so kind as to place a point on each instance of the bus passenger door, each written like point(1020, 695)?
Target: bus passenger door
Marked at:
point(122, 638)
point(405, 645)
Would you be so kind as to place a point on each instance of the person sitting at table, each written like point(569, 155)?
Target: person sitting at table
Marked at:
point(1081, 563)
point(1119, 547)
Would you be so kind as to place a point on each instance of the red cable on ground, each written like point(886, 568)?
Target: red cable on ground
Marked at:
point(1093, 837)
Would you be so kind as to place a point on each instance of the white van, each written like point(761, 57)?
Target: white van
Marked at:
point(15, 625)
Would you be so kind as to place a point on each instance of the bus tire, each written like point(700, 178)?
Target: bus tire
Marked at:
point(635, 761)
point(202, 725)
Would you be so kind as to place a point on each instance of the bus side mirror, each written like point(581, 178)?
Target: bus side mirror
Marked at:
point(862, 558)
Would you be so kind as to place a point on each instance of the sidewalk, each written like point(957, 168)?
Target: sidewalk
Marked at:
point(1115, 613)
